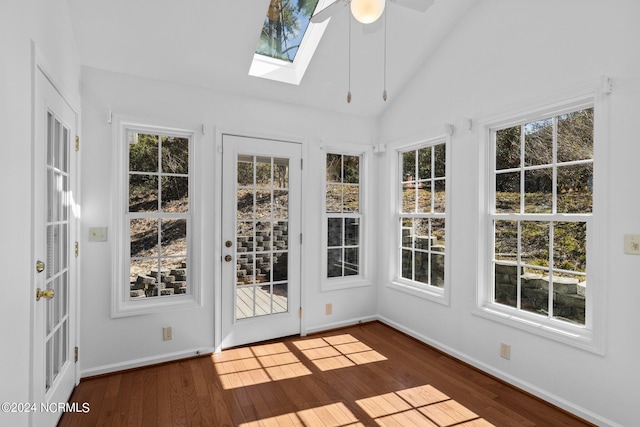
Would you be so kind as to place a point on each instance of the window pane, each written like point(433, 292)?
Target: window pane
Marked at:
point(352, 169)
point(281, 173)
point(424, 163)
point(175, 155)
point(334, 263)
point(143, 193)
point(280, 204)
point(174, 237)
point(508, 148)
point(280, 298)
point(437, 270)
point(334, 198)
point(421, 238)
point(575, 186)
point(263, 204)
point(409, 193)
point(538, 191)
point(575, 136)
point(280, 266)
point(570, 246)
point(351, 194)
point(407, 264)
point(409, 166)
point(424, 197)
point(263, 268)
point(143, 237)
point(244, 269)
point(173, 269)
point(508, 192)
point(245, 171)
point(245, 204)
point(351, 231)
point(143, 152)
point(245, 302)
point(244, 236)
point(142, 281)
point(175, 194)
point(280, 235)
point(437, 235)
point(263, 236)
point(421, 267)
point(334, 168)
point(334, 234)
point(535, 291)
point(407, 232)
point(505, 284)
point(439, 152)
point(534, 243)
point(439, 196)
point(351, 266)
point(538, 143)
point(506, 240)
point(263, 171)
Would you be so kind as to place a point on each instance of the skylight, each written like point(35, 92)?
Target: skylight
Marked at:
point(287, 40)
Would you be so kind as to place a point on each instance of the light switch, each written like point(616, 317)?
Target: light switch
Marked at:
point(632, 244)
point(97, 234)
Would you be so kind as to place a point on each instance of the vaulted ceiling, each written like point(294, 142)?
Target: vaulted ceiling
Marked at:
point(210, 44)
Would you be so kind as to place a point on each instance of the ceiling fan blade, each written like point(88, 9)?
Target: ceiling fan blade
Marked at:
point(419, 5)
point(329, 11)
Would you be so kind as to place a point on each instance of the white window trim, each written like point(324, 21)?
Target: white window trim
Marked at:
point(589, 337)
point(121, 304)
point(362, 279)
point(417, 289)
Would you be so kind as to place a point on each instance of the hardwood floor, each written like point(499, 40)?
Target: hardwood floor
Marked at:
point(365, 375)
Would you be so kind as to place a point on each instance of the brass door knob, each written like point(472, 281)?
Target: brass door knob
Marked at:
point(228, 243)
point(39, 266)
point(47, 293)
point(228, 258)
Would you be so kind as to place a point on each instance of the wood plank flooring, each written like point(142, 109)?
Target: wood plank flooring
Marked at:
point(365, 375)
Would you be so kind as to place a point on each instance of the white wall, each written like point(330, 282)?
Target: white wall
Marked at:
point(502, 53)
point(45, 22)
point(111, 344)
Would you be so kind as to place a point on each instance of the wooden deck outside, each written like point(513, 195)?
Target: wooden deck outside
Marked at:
point(244, 302)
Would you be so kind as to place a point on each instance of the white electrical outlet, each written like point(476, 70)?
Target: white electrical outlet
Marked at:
point(97, 234)
point(505, 351)
point(167, 333)
point(632, 244)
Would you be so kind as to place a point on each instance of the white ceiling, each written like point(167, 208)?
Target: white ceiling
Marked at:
point(210, 43)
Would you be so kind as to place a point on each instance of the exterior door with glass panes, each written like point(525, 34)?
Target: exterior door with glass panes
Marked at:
point(261, 239)
point(54, 264)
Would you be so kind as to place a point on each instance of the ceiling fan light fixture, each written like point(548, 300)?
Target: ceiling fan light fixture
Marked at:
point(367, 11)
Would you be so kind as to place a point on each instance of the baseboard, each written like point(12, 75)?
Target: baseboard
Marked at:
point(516, 382)
point(341, 324)
point(146, 361)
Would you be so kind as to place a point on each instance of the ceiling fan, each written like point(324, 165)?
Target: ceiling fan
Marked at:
point(368, 11)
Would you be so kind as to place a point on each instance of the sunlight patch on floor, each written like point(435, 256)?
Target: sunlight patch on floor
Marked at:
point(248, 366)
point(340, 351)
point(424, 405)
point(333, 415)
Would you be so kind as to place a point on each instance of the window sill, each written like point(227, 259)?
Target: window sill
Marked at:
point(430, 293)
point(572, 335)
point(152, 305)
point(342, 283)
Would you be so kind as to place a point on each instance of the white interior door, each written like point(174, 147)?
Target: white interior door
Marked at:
point(54, 269)
point(261, 239)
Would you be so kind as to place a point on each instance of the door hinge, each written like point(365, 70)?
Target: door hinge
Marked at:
point(301, 163)
point(77, 143)
point(300, 312)
point(300, 238)
point(75, 352)
point(77, 249)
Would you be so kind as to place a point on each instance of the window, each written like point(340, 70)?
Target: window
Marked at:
point(543, 203)
point(421, 218)
point(343, 215)
point(155, 256)
point(288, 40)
